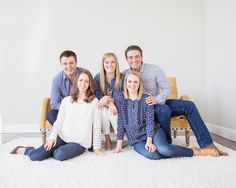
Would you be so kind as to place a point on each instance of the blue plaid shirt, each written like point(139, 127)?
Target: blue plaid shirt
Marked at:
point(154, 82)
point(61, 88)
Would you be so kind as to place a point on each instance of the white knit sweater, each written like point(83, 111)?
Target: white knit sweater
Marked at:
point(77, 121)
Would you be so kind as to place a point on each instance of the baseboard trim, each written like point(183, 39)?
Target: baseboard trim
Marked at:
point(34, 128)
point(222, 131)
point(17, 128)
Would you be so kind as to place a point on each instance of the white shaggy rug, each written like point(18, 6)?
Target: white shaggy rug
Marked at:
point(110, 170)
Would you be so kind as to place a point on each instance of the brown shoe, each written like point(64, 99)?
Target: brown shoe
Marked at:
point(222, 153)
point(205, 152)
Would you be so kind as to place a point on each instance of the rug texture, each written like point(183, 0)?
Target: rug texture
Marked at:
point(111, 170)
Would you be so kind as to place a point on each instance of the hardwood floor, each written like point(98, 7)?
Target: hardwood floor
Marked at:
point(5, 137)
point(224, 142)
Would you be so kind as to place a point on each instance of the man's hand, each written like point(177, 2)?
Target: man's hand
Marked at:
point(151, 100)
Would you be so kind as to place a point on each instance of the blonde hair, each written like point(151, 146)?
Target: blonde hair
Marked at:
point(103, 73)
point(140, 90)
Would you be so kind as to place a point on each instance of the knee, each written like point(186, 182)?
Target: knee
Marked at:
point(48, 116)
point(37, 157)
point(59, 155)
point(163, 110)
point(142, 151)
point(165, 150)
point(190, 106)
point(34, 158)
point(51, 116)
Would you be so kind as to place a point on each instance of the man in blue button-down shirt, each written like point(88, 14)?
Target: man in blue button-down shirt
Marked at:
point(62, 82)
point(156, 85)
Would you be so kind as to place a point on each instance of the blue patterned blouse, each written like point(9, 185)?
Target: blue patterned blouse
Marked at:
point(135, 119)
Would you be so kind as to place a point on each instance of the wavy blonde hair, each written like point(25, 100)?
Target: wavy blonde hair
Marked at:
point(118, 74)
point(140, 90)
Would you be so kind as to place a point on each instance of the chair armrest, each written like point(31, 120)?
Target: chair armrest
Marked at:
point(184, 97)
point(44, 109)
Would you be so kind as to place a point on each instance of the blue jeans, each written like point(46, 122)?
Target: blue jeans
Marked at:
point(52, 116)
point(175, 107)
point(61, 151)
point(164, 149)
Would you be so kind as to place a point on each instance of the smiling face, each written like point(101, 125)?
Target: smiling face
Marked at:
point(133, 83)
point(109, 65)
point(134, 59)
point(83, 83)
point(69, 66)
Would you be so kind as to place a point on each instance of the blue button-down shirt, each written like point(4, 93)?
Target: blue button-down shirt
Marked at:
point(110, 86)
point(154, 82)
point(61, 88)
point(135, 119)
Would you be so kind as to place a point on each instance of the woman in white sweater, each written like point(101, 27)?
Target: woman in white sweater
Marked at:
point(78, 125)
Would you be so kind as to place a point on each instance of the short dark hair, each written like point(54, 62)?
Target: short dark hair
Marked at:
point(68, 53)
point(133, 47)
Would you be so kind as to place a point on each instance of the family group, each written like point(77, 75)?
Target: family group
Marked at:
point(134, 102)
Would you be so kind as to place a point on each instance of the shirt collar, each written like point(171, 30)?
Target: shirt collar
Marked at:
point(112, 81)
point(65, 77)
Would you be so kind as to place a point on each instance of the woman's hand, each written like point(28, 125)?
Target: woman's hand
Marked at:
point(50, 144)
point(149, 145)
point(104, 101)
point(112, 108)
point(118, 146)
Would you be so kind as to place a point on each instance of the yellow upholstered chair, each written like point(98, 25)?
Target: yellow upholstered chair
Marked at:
point(45, 126)
point(178, 122)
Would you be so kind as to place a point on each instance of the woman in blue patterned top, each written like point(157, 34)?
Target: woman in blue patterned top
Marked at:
point(136, 119)
point(108, 82)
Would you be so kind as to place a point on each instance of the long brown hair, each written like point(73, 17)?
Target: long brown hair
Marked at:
point(103, 73)
point(90, 93)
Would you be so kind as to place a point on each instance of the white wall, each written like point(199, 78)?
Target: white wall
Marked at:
point(221, 63)
point(34, 33)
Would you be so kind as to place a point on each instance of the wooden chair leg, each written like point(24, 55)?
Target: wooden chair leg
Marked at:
point(175, 133)
point(187, 137)
point(43, 135)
